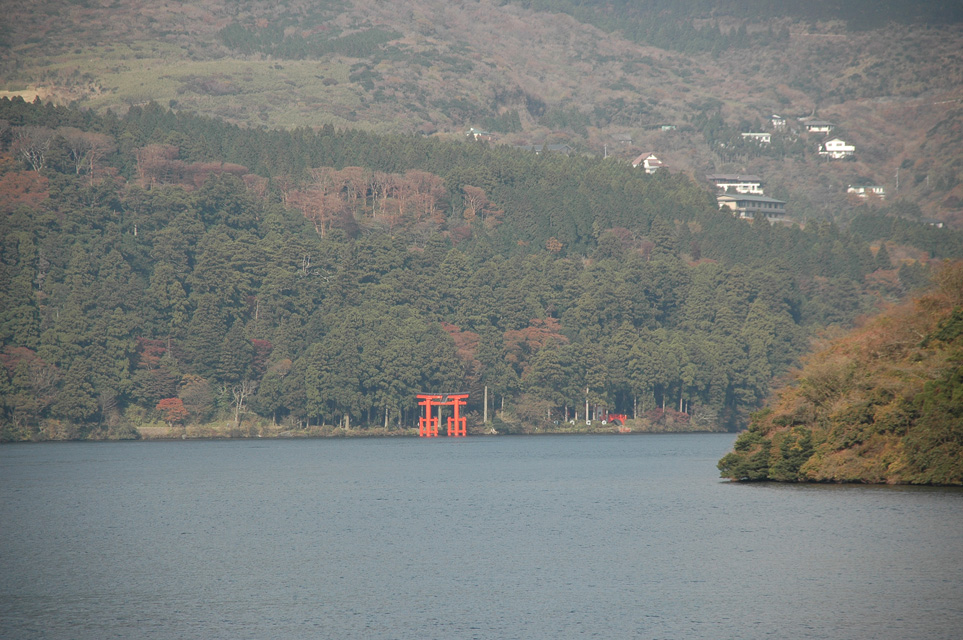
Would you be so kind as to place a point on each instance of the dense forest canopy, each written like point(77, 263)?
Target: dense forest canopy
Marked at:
point(165, 266)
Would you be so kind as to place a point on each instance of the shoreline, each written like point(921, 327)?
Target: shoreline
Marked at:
point(228, 431)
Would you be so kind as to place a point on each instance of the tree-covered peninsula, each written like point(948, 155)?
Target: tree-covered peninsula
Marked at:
point(161, 270)
point(882, 404)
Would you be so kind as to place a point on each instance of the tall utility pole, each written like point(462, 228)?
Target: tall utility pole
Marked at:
point(485, 410)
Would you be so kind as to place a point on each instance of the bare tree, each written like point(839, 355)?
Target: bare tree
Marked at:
point(33, 144)
point(240, 393)
point(475, 202)
point(85, 148)
point(704, 417)
point(317, 205)
point(383, 186)
point(357, 181)
point(158, 164)
point(405, 191)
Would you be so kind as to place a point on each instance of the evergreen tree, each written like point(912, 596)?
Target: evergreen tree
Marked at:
point(205, 335)
point(75, 402)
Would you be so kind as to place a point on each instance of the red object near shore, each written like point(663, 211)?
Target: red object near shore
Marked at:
point(428, 424)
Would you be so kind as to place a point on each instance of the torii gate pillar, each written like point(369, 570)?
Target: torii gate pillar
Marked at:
point(428, 424)
point(457, 425)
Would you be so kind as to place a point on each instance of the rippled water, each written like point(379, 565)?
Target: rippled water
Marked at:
point(508, 537)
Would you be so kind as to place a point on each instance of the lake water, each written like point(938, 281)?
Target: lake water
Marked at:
point(506, 537)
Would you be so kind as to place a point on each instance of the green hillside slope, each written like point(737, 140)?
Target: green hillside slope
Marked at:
point(328, 276)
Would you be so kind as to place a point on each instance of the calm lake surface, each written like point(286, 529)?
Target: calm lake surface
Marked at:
point(507, 537)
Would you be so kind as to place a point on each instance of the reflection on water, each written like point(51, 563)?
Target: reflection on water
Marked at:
point(527, 537)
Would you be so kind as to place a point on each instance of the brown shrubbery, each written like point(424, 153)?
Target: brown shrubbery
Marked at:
point(882, 404)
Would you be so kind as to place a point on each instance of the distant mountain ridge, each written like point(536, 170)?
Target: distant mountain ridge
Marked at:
point(600, 78)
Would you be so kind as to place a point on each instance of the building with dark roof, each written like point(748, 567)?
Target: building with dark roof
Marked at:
point(749, 206)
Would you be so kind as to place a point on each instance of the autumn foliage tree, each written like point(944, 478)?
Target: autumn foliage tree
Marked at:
point(173, 410)
point(20, 187)
point(156, 163)
point(389, 201)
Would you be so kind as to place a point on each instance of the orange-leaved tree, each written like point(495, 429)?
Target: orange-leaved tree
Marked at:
point(173, 410)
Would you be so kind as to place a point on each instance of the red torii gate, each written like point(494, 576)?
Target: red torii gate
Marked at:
point(428, 424)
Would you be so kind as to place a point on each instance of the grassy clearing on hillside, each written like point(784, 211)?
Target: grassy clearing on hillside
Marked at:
point(270, 93)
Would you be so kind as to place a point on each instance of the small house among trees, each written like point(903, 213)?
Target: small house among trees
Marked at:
point(648, 161)
point(817, 126)
point(866, 192)
point(478, 134)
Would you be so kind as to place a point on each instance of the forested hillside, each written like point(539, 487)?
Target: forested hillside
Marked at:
point(881, 404)
point(162, 266)
point(602, 78)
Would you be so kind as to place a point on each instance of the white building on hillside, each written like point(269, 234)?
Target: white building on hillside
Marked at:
point(735, 183)
point(867, 191)
point(761, 138)
point(836, 149)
